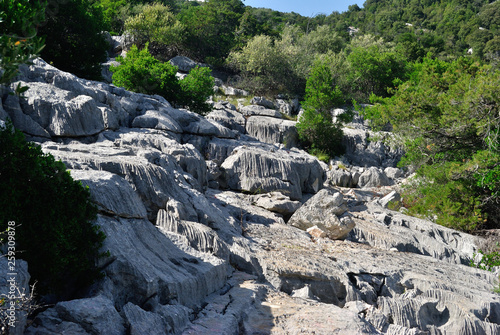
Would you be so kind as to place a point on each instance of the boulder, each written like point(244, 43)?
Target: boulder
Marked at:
point(271, 130)
point(284, 107)
point(366, 148)
point(257, 169)
point(278, 203)
point(112, 194)
point(324, 210)
point(252, 110)
point(373, 177)
point(62, 113)
point(184, 64)
point(228, 90)
point(261, 101)
point(141, 322)
point(156, 120)
point(340, 177)
point(229, 118)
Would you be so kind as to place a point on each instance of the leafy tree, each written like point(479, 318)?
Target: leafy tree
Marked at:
point(211, 29)
point(446, 116)
point(53, 217)
point(316, 126)
point(18, 41)
point(373, 70)
point(197, 86)
point(157, 25)
point(140, 72)
point(74, 39)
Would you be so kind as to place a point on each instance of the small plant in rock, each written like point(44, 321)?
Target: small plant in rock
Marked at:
point(488, 260)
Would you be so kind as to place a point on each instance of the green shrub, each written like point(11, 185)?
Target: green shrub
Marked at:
point(197, 86)
point(140, 72)
point(488, 260)
point(316, 126)
point(18, 41)
point(53, 217)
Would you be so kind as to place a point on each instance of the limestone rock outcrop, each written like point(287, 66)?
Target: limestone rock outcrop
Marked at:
point(211, 231)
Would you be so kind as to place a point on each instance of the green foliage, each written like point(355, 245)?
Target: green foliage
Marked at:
point(446, 117)
point(74, 39)
point(488, 260)
point(197, 86)
point(316, 126)
point(53, 216)
point(157, 25)
point(18, 41)
point(211, 29)
point(140, 72)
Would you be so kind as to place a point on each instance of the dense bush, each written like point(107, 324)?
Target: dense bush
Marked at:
point(446, 116)
point(18, 36)
point(53, 214)
point(140, 72)
point(316, 126)
point(73, 37)
point(157, 25)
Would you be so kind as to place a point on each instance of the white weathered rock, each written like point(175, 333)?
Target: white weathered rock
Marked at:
point(113, 194)
point(278, 203)
point(340, 177)
point(262, 101)
point(314, 231)
point(228, 118)
point(252, 110)
point(228, 90)
point(271, 130)
point(373, 177)
point(323, 211)
point(255, 169)
point(284, 107)
point(156, 120)
point(392, 197)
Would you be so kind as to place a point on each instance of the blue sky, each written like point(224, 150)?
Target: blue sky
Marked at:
point(305, 7)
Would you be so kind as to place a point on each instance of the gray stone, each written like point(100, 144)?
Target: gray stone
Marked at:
point(96, 315)
point(373, 177)
point(228, 118)
point(323, 210)
point(255, 169)
point(284, 107)
point(391, 198)
point(22, 121)
point(393, 173)
point(339, 177)
point(251, 110)
point(156, 120)
point(161, 270)
point(228, 90)
point(143, 322)
point(278, 203)
point(271, 130)
point(113, 194)
point(184, 64)
point(261, 101)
